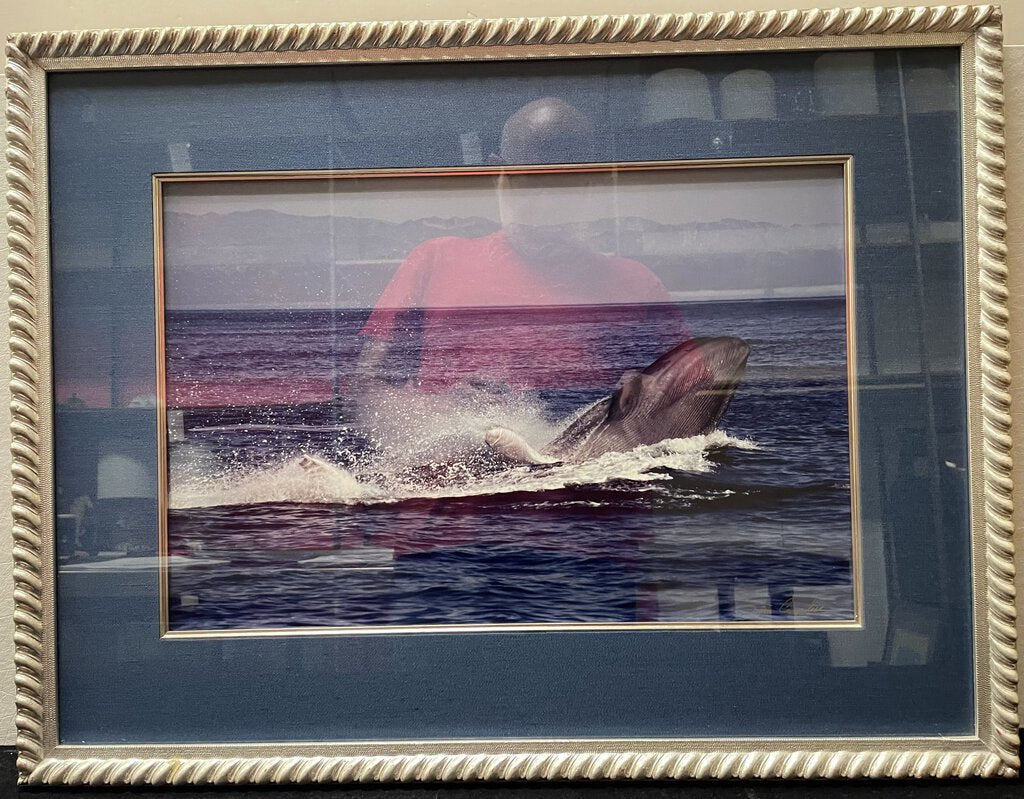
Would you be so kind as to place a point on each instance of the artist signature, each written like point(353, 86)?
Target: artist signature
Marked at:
point(789, 606)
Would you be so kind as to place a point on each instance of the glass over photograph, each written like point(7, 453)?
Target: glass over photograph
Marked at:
point(589, 395)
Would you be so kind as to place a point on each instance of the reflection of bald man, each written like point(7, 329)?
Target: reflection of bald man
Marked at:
point(533, 261)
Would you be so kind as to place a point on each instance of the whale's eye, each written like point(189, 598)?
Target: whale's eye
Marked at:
point(626, 396)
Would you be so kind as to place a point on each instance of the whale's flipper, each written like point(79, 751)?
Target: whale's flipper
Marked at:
point(513, 446)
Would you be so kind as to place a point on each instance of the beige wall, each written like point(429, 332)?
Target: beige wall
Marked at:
point(62, 15)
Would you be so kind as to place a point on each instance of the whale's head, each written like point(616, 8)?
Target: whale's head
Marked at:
point(683, 393)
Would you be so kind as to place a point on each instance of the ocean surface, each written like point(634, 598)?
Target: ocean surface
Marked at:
point(292, 504)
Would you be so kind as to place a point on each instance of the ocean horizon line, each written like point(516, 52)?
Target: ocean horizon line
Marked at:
point(690, 301)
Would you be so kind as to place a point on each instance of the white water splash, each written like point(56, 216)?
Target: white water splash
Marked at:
point(286, 482)
point(429, 446)
point(330, 484)
point(412, 428)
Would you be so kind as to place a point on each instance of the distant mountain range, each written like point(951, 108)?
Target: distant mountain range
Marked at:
point(217, 259)
point(274, 237)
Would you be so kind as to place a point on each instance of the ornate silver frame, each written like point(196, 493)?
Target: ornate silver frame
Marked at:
point(992, 751)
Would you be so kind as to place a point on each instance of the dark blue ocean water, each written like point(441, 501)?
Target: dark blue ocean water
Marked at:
point(408, 519)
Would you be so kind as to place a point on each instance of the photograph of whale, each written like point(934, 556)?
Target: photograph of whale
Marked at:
point(682, 394)
point(565, 399)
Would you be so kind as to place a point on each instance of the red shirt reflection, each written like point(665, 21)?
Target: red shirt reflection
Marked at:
point(446, 279)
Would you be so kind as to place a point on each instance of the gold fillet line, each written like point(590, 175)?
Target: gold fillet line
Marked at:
point(525, 52)
point(972, 338)
point(162, 469)
point(853, 392)
point(531, 169)
point(356, 747)
point(452, 629)
point(845, 162)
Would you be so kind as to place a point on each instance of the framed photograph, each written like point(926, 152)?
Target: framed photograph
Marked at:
point(480, 383)
point(570, 398)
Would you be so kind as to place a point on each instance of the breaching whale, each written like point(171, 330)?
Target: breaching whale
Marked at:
point(683, 393)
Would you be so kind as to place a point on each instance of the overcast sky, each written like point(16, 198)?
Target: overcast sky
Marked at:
point(781, 195)
point(203, 263)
